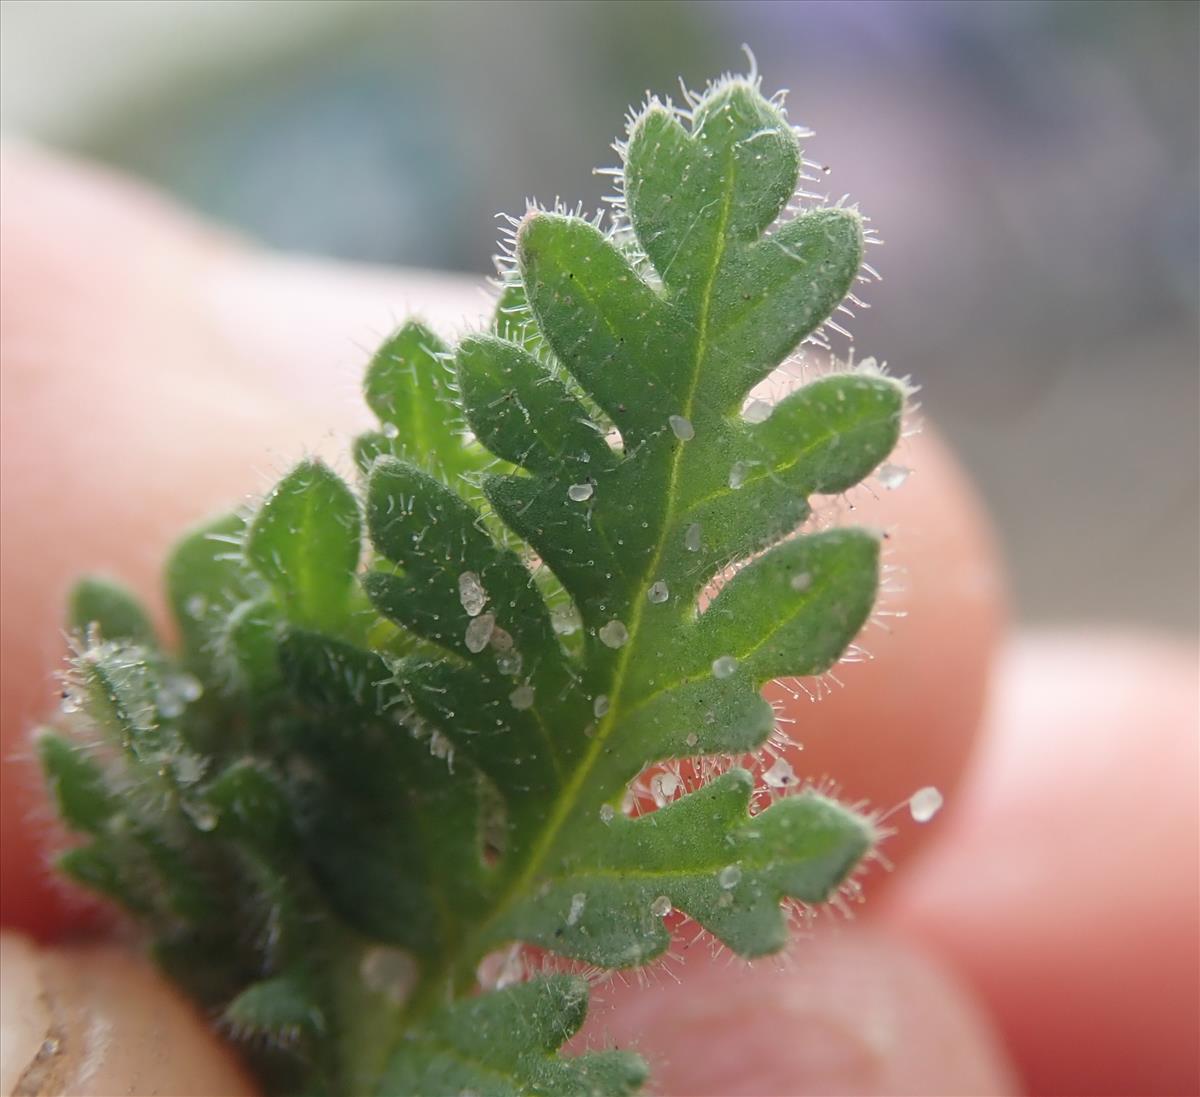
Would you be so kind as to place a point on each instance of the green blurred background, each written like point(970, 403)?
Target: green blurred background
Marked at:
point(1032, 167)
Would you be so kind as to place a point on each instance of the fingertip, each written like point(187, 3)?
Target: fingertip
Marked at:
point(851, 1012)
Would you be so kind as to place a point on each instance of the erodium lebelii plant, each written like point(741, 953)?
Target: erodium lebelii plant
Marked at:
point(500, 699)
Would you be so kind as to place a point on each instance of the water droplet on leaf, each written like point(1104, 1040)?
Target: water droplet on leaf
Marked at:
point(661, 907)
point(682, 428)
point(801, 581)
point(757, 411)
point(578, 901)
point(737, 474)
point(479, 632)
point(390, 430)
point(614, 634)
point(565, 620)
point(607, 813)
point(658, 592)
point(724, 666)
point(389, 971)
point(471, 593)
point(730, 876)
point(521, 698)
point(580, 493)
point(600, 705)
point(691, 538)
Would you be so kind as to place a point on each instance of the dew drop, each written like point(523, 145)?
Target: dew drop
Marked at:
point(607, 813)
point(565, 620)
point(578, 901)
point(169, 704)
point(196, 606)
point(780, 774)
point(801, 581)
point(389, 971)
point(924, 804)
point(471, 593)
point(479, 632)
point(691, 538)
point(682, 428)
point(737, 474)
point(501, 640)
point(724, 666)
point(661, 907)
point(202, 815)
point(600, 705)
point(188, 686)
point(757, 411)
point(892, 476)
point(730, 876)
point(692, 739)
point(580, 493)
point(509, 663)
point(658, 592)
point(521, 698)
point(390, 430)
point(614, 634)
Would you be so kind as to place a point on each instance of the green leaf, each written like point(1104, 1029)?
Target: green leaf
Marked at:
point(112, 610)
point(279, 1008)
point(503, 1044)
point(701, 854)
point(583, 560)
point(305, 541)
point(78, 784)
point(409, 388)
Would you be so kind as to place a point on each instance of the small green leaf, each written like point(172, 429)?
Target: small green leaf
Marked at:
point(503, 1044)
point(701, 854)
point(409, 388)
point(77, 783)
point(280, 1007)
point(305, 541)
point(113, 610)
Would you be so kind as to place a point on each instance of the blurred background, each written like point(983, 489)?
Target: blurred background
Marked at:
point(1031, 166)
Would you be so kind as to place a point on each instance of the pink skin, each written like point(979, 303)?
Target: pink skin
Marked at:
point(154, 371)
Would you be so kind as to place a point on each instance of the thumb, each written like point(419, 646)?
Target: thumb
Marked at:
point(845, 1012)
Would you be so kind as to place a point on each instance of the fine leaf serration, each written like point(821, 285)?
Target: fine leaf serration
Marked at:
point(367, 768)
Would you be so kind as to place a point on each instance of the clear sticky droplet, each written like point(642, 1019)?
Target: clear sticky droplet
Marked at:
point(600, 705)
point(202, 815)
point(471, 593)
point(565, 621)
point(724, 666)
point(661, 907)
point(509, 663)
point(607, 813)
point(614, 634)
point(924, 804)
point(389, 971)
point(479, 632)
point(188, 686)
point(801, 581)
point(521, 698)
point(580, 493)
point(169, 704)
point(578, 902)
point(737, 474)
point(196, 606)
point(682, 428)
point(892, 476)
point(757, 411)
point(658, 592)
point(730, 876)
point(780, 774)
point(390, 430)
point(692, 537)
